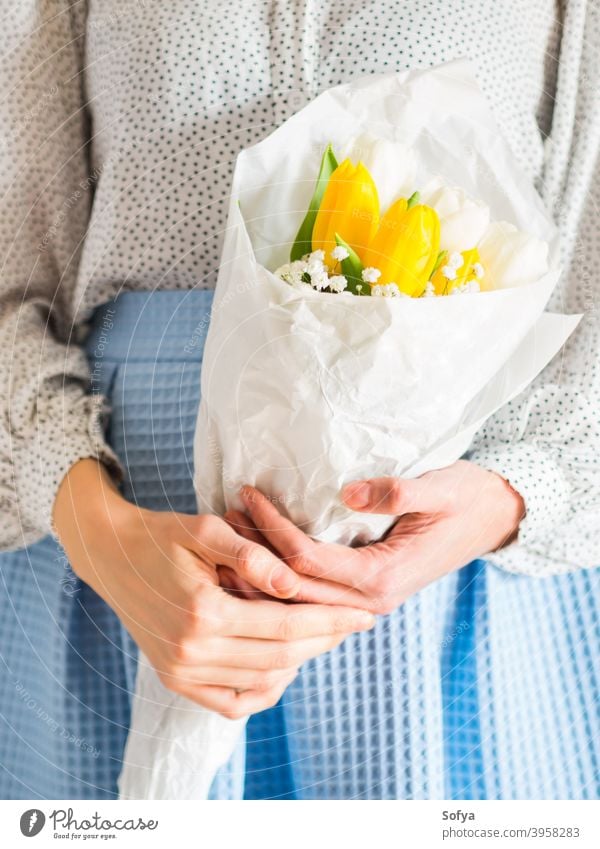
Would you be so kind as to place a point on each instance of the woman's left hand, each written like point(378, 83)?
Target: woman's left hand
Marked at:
point(445, 519)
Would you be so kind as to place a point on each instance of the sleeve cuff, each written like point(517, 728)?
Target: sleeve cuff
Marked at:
point(39, 475)
point(540, 481)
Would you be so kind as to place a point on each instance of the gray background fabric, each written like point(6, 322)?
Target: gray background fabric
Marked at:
point(120, 125)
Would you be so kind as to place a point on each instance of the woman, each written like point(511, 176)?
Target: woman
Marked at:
point(121, 123)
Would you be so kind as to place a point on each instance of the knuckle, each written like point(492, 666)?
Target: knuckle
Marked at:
point(372, 584)
point(341, 623)
point(263, 681)
point(384, 584)
point(200, 600)
point(391, 494)
point(205, 605)
point(275, 678)
point(181, 651)
point(186, 626)
point(287, 628)
point(282, 658)
point(248, 557)
point(382, 576)
point(306, 564)
point(203, 525)
point(449, 500)
point(382, 604)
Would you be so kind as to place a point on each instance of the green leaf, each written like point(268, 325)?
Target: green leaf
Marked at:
point(440, 259)
point(303, 242)
point(352, 269)
point(413, 200)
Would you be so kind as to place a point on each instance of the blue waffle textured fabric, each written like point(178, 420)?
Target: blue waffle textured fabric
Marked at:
point(484, 685)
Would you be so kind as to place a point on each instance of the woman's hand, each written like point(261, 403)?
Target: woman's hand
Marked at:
point(446, 519)
point(158, 571)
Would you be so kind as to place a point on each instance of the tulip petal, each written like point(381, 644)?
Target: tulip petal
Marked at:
point(350, 207)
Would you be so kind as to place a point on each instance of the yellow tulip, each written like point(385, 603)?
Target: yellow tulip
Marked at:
point(350, 207)
point(406, 247)
point(444, 286)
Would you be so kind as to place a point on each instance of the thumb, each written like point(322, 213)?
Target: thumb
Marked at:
point(396, 496)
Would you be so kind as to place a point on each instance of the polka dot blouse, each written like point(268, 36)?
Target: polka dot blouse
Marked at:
point(120, 121)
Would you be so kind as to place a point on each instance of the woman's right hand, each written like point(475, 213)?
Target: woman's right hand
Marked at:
point(159, 573)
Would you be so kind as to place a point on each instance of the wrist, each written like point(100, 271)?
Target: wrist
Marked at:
point(88, 512)
point(510, 508)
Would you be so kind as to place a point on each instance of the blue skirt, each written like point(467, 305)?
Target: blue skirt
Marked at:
point(483, 686)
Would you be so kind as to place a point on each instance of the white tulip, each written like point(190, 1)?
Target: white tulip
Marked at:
point(511, 257)
point(392, 165)
point(463, 221)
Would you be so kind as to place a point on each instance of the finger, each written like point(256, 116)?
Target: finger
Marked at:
point(240, 678)
point(319, 591)
point(247, 653)
point(270, 620)
point(287, 539)
point(350, 567)
point(216, 541)
point(232, 704)
point(232, 582)
point(244, 526)
point(396, 496)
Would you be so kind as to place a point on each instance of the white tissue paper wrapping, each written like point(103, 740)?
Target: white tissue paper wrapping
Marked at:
point(303, 392)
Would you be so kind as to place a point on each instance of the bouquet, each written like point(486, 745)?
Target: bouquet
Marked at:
point(429, 244)
point(381, 293)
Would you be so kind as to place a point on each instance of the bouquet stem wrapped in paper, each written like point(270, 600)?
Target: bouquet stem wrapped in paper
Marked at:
point(307, 384)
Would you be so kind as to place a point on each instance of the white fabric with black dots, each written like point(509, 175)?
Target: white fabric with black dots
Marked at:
point(120, 121)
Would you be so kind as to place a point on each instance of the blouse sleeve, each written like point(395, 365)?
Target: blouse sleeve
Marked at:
point(47, 419)
point(546, 443)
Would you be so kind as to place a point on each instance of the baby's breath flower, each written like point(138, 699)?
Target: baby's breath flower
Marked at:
point(467, 288)
point(318, 256)
point(283, 270)
point(429, 291)
point(455, 260)
point(338, 283)
point(315, 266)
point(478, 270)
point(319, 280)
point(296, 278)
point(340, 253)
point(449, 272)
point(292, 272)
point(370, 274)
point(387, 290)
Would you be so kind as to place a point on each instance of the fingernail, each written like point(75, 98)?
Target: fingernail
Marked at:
point(283, 581)
point(246, 494)
point(364, 620)
point(357, 494)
